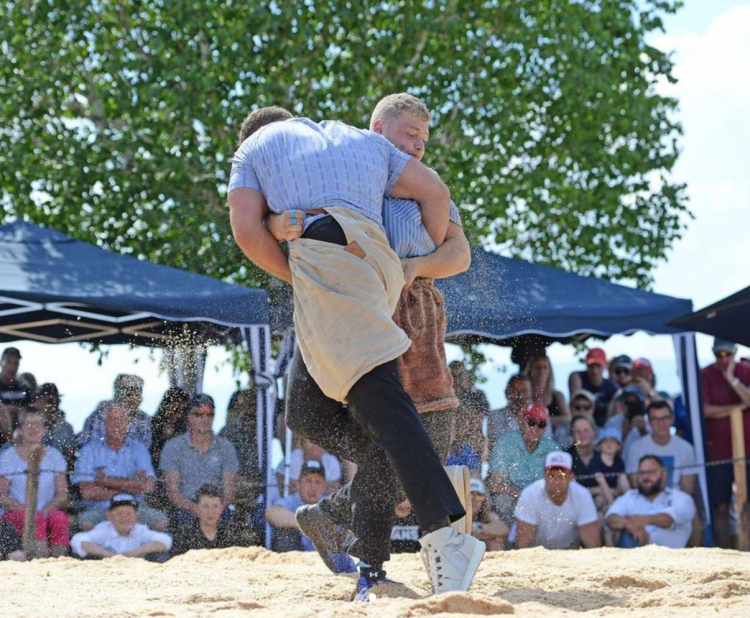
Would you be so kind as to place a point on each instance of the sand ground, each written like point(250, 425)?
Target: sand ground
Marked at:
point(649, 582)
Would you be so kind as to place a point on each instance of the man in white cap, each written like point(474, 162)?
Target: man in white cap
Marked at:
point(556, 512)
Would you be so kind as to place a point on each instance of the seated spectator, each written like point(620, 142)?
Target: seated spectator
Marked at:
point(170, 419)
point(593, 380)
point(242, 432)
point(13, 393)
point(518, 459)
point(652, 513)
point(312, 452)
point(10, 543)
point(281, 515)
point(57, 431)
point(556, 512)
point(582, 404)
point(28, 380)
point(117, 464)
point(582, 451)
point(630, 417)
point(645, 379)
point(128, 394)
point(620, 369)
point(196, 458)
point(486, 524)
point(468, 440)
point(120, 534)
point(539, 370)
point(505, 420)
point(51, 522)
point(677, 454)
point(208, 531)
point(608, 469)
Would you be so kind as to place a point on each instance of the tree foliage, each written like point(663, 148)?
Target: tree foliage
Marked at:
point(118, 120)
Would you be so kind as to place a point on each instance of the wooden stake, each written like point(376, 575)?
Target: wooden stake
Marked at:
point(30, 546)
point(740, 476)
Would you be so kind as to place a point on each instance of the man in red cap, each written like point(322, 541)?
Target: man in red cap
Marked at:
point(556, 512)
point(518, 459)
point(593, 380)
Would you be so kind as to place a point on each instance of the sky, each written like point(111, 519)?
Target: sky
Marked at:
point(712, 63)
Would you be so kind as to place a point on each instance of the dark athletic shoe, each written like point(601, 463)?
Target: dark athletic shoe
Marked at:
point(368, 586)
point(330, 543)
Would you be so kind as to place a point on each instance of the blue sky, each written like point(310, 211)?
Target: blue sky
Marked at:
point(712, 56)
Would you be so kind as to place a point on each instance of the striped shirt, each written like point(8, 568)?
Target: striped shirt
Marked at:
point(407, 235)
point(301, 165)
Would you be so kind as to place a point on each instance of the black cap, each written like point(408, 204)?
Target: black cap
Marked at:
point(312, 465)
point(14, 351)
point(622, 361)
point(48, 389)
point(123, 500)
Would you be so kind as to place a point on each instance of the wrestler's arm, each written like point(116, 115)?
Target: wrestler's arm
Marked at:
point(450, 258)
point(421, 184)
point(247, 207)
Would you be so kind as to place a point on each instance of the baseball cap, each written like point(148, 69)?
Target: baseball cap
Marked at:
point(536, 410)
point(719, 344)
point(642, 363)
point(596, 356)
point(476, 486)
point(13, 351)
point(312, 465)
point(123, 500)
point(609, 432)
point(584, 393)
point(559, 459)
point(633, 390)
point(622, 361)
point(48, 389)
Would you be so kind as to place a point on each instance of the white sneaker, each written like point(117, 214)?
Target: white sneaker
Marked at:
point(451, 559)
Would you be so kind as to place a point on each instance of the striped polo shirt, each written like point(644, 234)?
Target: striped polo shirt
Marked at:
point(298, 164)
point(407, 235)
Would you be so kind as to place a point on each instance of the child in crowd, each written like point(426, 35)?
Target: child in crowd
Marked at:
point(608, 468)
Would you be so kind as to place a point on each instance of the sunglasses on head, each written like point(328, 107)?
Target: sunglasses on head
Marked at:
point(532, 423)
point(723, 353)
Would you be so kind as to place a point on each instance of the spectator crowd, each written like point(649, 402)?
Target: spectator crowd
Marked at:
point(607, 463)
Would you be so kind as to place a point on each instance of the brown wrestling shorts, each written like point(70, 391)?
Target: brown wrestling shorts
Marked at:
point(423, 368)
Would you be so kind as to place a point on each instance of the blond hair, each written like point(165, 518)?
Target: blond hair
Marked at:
point(396, 105)
point(549, 387)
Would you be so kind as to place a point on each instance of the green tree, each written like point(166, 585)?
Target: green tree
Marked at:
point(118, 119)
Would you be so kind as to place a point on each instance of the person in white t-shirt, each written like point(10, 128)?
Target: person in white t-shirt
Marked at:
point(653, 513)
point(51, 521)
point(120, 535)
point(677, 454)
point(556, 512)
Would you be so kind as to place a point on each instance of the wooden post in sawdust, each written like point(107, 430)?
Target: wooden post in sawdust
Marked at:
point(30, 546)
point(740, 476)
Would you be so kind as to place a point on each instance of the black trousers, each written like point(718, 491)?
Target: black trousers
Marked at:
point(382, 433)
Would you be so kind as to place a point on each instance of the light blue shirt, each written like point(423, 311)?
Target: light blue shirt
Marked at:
point(511, 458)
point(298, 164)
point(132, 457)
point(407, 235)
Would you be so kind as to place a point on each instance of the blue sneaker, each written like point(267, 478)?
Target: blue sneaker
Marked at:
point(343, 563)
point(368, 583)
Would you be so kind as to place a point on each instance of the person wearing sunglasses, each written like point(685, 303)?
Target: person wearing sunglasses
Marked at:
point(196, 458)
point(518, 459)
point(726, 386)
point(621, 369)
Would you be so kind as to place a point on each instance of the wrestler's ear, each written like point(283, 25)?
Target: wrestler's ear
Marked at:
point(377, 126)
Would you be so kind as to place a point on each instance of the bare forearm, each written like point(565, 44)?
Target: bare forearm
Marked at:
point(180, 501)
point(9, 504)
point(450, 258)
point(616, 522)
point(149, 548)
point(131, 486)
point(281, 517)
point(423, 185)
point(92, 549)
point(247, 208)
point(717, 412)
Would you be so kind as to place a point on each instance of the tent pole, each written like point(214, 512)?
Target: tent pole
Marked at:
point(689, 371)
point(740, 475)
